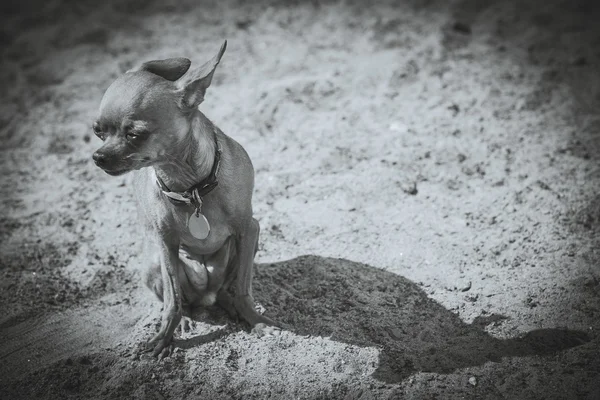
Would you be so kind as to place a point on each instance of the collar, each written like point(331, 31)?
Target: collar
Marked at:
point(194, 194)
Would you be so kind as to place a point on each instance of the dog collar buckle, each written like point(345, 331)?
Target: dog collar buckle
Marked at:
point(175, 197)
point(178, 198)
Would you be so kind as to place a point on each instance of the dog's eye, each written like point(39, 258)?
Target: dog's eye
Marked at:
point(135, 136)
point(98, 130)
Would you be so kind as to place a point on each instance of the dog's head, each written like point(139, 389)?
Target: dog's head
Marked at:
point(146, 112)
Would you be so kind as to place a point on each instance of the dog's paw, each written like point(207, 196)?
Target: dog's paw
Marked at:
point(165, 352)
point(160, 346)
point(186, 325)
point(264, 330)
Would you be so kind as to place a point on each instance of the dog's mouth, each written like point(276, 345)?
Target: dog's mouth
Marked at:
point(115, 172)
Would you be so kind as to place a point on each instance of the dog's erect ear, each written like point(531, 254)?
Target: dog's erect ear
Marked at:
point(195, 83)
point(171, 69)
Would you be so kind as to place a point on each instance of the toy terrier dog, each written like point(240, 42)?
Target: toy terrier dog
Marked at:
point(193, 188)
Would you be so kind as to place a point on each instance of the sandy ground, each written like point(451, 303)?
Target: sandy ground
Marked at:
point(427, 184)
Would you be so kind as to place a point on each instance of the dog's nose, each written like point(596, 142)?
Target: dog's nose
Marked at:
point(99, 158)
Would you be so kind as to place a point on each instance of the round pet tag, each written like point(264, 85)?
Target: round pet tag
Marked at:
point(198, 226)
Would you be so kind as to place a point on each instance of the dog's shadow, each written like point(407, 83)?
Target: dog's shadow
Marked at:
point(366, 306)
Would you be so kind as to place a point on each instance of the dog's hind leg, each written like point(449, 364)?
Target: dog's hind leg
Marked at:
point(191, 287)
point(217, 266)
point(193, 278)
point(243, 300)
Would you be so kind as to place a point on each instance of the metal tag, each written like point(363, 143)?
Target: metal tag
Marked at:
point(198, 226)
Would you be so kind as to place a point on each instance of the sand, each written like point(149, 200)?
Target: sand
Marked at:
point(427, 185)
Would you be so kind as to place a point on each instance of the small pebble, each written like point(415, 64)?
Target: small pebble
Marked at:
point(410, 188)
point(473, 381)
point(259, 308)
point(466, 287)
point(461, 27)
point(455, 110)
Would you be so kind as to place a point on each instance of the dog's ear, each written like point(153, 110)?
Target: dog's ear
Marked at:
point(195, 83)
point(171, 69)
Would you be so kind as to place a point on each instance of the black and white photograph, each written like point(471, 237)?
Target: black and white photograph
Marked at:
point(287, 199)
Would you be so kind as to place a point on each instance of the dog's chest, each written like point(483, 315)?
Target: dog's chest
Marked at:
point(217, 231)
point(166, 218)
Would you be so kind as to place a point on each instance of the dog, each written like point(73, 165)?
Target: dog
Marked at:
point(193, 189)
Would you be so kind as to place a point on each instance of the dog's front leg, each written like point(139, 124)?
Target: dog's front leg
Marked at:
point(243, 301)
point(161, 345)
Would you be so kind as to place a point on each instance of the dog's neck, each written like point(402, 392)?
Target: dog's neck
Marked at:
point(191, 159)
